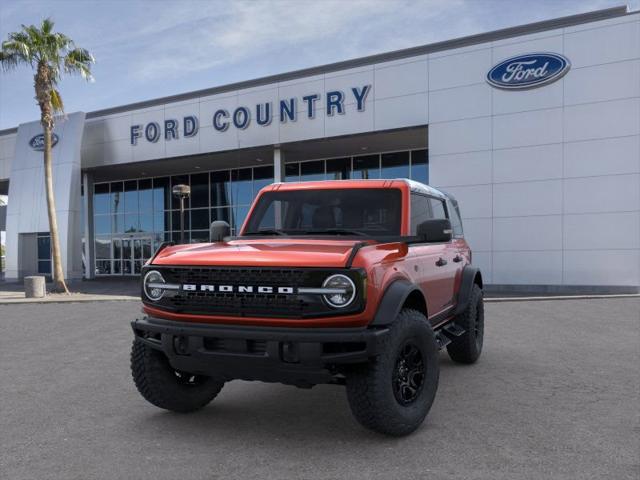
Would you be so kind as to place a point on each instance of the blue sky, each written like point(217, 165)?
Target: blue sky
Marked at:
point(149, 49)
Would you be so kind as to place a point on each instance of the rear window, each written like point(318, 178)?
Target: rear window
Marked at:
point(369, 211)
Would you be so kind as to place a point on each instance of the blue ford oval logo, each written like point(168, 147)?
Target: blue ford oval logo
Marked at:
point(528, 71)
point(37, 142)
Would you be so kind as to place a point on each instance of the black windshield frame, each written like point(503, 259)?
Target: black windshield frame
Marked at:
point(337, 212)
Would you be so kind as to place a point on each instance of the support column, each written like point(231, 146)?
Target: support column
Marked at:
point(278, 165)
point(87, 221)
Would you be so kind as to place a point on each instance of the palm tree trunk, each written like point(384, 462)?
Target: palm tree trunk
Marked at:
point(59, 284)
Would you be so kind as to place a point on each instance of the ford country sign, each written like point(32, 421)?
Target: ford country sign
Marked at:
point(37, 142)
point(528, 71)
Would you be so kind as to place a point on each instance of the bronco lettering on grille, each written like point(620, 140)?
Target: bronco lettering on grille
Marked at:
point(191, 287)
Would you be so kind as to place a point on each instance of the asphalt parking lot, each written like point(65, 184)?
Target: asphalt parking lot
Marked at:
point(555, 395)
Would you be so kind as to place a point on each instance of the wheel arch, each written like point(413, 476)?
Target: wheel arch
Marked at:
point(398, 295)
point(470, 276)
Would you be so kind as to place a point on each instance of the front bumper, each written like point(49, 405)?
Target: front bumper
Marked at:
point(297, 356)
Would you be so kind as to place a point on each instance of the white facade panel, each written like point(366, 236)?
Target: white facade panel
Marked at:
point(527, 128)
point(602, 267)
point(616, 118)
point(460, 69)
point(400, 80)
point(540, 232)
point(608, 44)
point(505, 101)
point(610, 81)
point(474, 200)
point(529, 268)
point(398, 112)
point(548, 41)
point(540, 162)
point(478, 233)
point(608, 156)
point(484, 261)
point(602, 231)
point(527, 198)
point(456, 169)
point(460, 136)
point(460, 103)
point(349, 123)
point(615, 193)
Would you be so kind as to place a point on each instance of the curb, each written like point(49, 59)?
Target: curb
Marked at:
point(559, 297)
point(113, 298)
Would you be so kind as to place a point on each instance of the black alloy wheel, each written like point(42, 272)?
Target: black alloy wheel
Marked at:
point(408, 374)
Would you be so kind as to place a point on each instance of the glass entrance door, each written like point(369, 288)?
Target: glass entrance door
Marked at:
point(130, 253)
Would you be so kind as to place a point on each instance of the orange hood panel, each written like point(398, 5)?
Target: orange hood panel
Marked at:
point(271, 252)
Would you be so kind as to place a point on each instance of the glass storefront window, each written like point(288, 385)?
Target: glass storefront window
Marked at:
point(262, 176)
point(292, 172)
point(339, 168)
point(131, 203)
point(200, 218)
point(241, 189)
point(395, 165)
point(200, 190)
point(161, 222)
point(145, 195)
point(101, 198)
point(310, 171)
point(144, 210)
point(161, 194)
point(420, 166)
point(366, 167)
point(220, 188)
point(102, 224)
point(175, 220)
point(116, 197)
point(223, 214)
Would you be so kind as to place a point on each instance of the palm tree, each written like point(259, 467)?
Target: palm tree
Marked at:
point(50, 55)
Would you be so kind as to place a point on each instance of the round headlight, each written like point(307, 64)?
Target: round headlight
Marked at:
point(344, 291)
point(152, 285)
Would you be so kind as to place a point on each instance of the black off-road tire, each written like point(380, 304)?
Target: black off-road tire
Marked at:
point(164, 387)
point(372, 389)
point(468, 347)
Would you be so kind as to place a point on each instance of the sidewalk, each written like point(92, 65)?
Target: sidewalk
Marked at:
point(104, 289)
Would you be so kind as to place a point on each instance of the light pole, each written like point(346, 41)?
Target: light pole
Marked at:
point(182, 192)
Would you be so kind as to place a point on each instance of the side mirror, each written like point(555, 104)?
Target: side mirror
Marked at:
point(218, 230)
point(437, 230)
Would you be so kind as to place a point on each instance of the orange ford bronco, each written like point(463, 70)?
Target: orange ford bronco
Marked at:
point(358, 283)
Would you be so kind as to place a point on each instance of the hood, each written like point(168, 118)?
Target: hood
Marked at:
point(271, 252)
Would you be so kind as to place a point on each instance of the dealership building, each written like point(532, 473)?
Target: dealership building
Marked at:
point(535, 129)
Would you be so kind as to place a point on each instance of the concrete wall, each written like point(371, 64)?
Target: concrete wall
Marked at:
point(548, 179)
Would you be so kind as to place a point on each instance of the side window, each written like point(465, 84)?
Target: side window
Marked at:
point(420, 211)
point(437, 206)
point(454, 215)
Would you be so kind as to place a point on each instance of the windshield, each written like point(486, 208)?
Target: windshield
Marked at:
point(355, 211)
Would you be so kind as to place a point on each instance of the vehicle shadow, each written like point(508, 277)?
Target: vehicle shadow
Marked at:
point(260, 412)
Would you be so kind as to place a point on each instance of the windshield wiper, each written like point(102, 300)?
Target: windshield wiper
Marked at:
point(266, 231)
point(335, 231)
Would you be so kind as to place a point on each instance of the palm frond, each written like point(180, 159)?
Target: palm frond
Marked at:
point(47, 26)
point(79, 61)
point(56, 101)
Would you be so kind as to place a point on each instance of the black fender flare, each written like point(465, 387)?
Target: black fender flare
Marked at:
point(469, 275)
point(392, 300)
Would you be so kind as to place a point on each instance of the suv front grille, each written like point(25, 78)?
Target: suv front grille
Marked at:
point(249, 304)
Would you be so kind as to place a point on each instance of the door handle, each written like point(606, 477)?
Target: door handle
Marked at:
point(457, 259)
point(441, 262)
